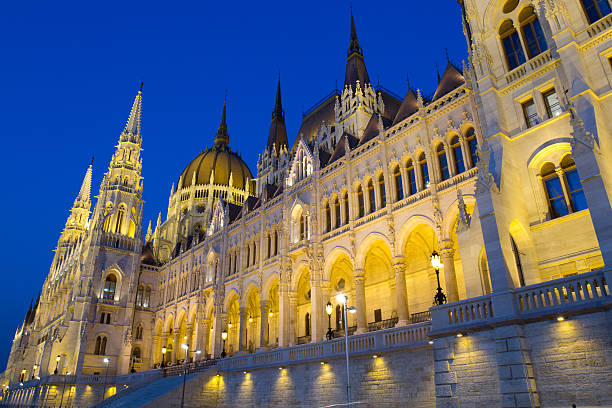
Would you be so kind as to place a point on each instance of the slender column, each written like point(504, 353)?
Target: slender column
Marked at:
point(218, 327)
point(401, 293)
point(360, 302)
point(176, 345)
point(242, 340)
point(316, 332)
point(204, 336)
point(283, 315)
point(447, 254)
point(263, 324)
point(292, 335)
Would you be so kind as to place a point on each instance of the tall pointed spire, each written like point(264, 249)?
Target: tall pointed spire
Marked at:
point(222, 137)
point(355, 64)
point(132, 126)
point(85, 191)
point(277, 138)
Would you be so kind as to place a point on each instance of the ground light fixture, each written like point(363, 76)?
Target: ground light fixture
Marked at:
point(430, 341)
point(280, 368)
point(560, 318)
point(322, 362)
point(459, 334)
point(244, 372)
point(375, 356)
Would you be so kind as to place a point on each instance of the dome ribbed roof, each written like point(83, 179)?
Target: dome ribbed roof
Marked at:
point(224, 162)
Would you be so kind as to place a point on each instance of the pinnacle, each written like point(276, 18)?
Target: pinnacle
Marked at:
point(85, 191)
point(133, 124)
point(222, 137)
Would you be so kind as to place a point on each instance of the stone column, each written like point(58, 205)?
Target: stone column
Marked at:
point(316, 327)
point(218, 327)
point(447, 254)
point(242, 340)
point(360, 302)
point(401, 293)
point(292, 317)
point(283, 315)
point(203, 336)
point(263, 324)
point(176, 345)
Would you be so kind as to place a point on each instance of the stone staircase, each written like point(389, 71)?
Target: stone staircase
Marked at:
point(141, 395)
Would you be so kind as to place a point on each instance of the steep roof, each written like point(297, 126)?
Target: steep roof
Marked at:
point(311, 123)
point(451, 79)
point(345, 140)
point(355, 64)
point(278, 131)
point(408, 107)
point(372, 129)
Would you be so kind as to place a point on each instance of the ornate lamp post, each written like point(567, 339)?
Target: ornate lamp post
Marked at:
point(34, 370)
point(440, 297)
point(185, 346)
point(224, 337)
point(329, 309)
point(57, 359)
point(163, 362)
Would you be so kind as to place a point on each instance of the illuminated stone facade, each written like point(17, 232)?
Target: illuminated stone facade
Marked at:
point(503, 172)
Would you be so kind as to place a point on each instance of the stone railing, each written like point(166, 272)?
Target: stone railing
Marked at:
point(117, 241)
point(565, 295)
point(530, 66)
point(597, 27)
point(91, 379)
point(414, 335)
point(574, 291)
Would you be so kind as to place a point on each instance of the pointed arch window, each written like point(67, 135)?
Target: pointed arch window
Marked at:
point(595, 9)
point(119, 220)
point(360, 202)
point(100, 348)
point(554, 191)
point(110, 285)
point(139, 331)
point(381, 188)
point(327, 217)
point(443, 162)
point(139, 295)
point(371, 196)
point(302, 227)
point(422, 163)
point(147, 297)
point(397, 181)
point(412, 179)
point(511, 43)
point(337, 212)
point(470, 139)
point(575, 192)
point(532, 32)
point(457, 155)
point(345, 202)
point(275, 242)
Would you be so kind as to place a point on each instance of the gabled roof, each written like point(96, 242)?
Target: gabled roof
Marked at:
point(323, 157)
point(341, 147)
point(311, 123)
point(392, 104)
point(409, 106)
point(147, 255)
point(234, 211)
point(451, 79)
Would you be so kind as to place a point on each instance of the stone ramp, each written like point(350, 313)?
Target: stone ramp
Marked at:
point(135, 397)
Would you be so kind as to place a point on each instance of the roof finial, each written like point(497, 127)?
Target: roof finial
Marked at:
point(141, 84)
point(92, 160)
point(447, 57)
point(354, 43)
point(222, 137)
point(408, 81)
point(278, 107)
point(438, 72)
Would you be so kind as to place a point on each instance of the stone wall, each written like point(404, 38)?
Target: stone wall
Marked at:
point(394, 379)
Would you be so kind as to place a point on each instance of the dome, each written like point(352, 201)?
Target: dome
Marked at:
point(224, 162)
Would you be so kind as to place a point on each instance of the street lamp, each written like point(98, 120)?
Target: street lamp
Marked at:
point(342, 298)
point(64, 389)
point(329, 309)
point(185, 346)
point(34, 370)
point(57, 359)
point(163, 362)
point(106, 361)
point(224, 337)
point(440, 297)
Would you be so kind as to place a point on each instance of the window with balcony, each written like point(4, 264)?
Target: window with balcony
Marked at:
point(511, 44)
point(442, 162)
point(110, 286)
point(595, 9)
point(532, 32)
point(457, 155)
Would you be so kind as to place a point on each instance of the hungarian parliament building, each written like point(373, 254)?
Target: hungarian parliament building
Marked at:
point(500, 178)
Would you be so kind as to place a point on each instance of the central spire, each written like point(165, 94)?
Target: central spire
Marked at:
point(277, 138)
point(355, 64)
point(222, 137)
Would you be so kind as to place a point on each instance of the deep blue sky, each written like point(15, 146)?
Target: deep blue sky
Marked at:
point(70, 71)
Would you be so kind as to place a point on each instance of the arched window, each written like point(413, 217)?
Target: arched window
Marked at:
point(596, 9)
point(381, 188)
point(139, 294)
point(512, 45)
point(371, 196)
point(532, 32)
point(109, 287)
point(345, 205)
point(248, 256)
point(119, 220)
point(337, 211)
point(470, 139)
point(275, 242)
point(147, 297)
point(100, 348)
point(554, 191)
point(302, 227)
point(517, 260)
point(457, 155)
point(360, 203)
point(412, 179)
point(327, 217)
point(254, 252)
point(339, 318)
point(307, 324)
point(574, 186)
point(443, 162)
point(126, 181)
point(422, 162)
point(139, 330)
point(397, 181)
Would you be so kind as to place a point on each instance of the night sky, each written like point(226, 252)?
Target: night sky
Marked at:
point(70, 71)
